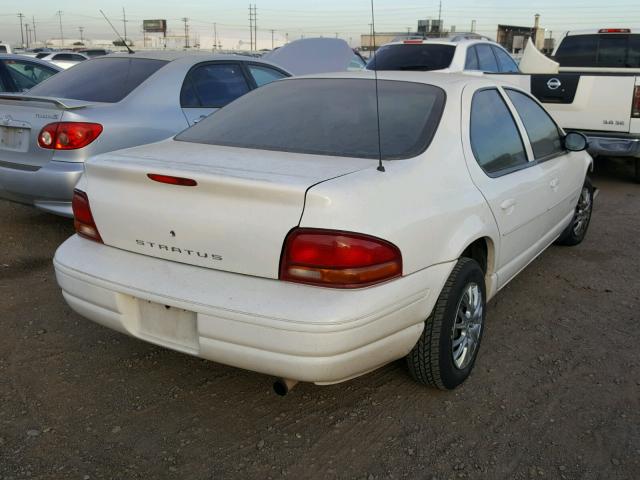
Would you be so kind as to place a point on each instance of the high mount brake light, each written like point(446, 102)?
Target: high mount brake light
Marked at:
point(614, 30)
point(413, 42)
point(83, 218)
point(338, 259)
point(171, 180)
point(68, 135)
point(635, 107)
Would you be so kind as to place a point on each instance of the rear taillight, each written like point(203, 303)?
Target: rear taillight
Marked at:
point(338, 259)
point(83, 218)
point(68, 135)
point(635, 106)
point(171, 180)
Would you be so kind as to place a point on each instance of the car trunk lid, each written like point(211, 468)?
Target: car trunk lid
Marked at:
point(21, 120)
point(235, 219)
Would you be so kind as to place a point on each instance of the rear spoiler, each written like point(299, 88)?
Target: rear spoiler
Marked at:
point(63, 104)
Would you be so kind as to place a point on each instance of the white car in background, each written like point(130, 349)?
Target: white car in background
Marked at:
point(65, 59)
point(461, 52)
point(288, 235)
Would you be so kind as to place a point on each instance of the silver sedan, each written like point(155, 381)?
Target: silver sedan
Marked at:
point(107, 104)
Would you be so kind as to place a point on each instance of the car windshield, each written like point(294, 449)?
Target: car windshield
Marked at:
point(100, 80)
point(423, 57)
point(330, 116)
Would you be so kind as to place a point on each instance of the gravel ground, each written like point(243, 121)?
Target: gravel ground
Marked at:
point(555, 392)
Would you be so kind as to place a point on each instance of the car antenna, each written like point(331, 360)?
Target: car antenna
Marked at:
point(124, 42)
point(375, 73)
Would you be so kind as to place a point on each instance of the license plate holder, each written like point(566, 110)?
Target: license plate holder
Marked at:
point(14, 139)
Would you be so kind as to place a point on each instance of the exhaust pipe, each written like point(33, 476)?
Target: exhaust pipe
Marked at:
point(282, 386)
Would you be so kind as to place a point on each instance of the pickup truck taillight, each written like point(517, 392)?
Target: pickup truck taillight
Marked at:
point(68, 135)
point(337, 259)
point(83, 218)
point(635, 109)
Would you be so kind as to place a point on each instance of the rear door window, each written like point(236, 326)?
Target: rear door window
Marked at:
point(104, 79)
point(422, 57)
point(495, 139)
point(542, 131)
point(505, 62)
point(263, 75)
point(487, 59)
point(213, 85)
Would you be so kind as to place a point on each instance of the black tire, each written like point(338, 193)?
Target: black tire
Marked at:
point(576, 231)
point(431, 361)
point(636, 177)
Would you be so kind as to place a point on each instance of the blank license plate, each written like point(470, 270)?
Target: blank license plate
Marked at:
point(171, 326)
point(15, 139)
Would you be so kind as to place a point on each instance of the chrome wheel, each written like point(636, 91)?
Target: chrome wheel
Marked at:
point(467, 326)
point(583, 212)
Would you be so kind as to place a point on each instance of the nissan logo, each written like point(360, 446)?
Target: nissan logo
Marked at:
point(554, 84)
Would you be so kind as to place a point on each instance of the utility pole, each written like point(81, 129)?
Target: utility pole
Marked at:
point(26, 27)
point(215, 37)
point(272, 43)
point(124, 23)
point(250, 27)
point(82, 37)
point(21, 16)
point(440, 12)
point(33, 25)
point(255, 26)
point(473, 26)
point(59, 13)
point(186, 32)
point(286, 36)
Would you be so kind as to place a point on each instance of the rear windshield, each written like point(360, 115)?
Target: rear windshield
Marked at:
point(613, 50)
point(100, 80)
point(421, 57)
point(330, 116)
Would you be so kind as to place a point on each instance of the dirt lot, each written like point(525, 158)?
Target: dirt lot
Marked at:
point(555, 393)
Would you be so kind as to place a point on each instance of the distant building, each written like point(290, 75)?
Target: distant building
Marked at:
point(367, 41)
point(514, 38)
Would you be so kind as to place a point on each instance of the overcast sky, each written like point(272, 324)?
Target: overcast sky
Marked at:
point(347, 19)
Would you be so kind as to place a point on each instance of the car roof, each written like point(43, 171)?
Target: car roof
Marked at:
point(190, 58)
point(594, 31)
point(454, 40)
point(17, 56)
point(444, 80)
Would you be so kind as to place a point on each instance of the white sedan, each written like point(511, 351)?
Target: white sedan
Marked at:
point(65, 59)
point(283, 235)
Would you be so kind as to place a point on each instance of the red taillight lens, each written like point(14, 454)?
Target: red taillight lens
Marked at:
point(635, 108)
point(338, 259)
point(171, 180)
point(68, 135)
point(83, 218)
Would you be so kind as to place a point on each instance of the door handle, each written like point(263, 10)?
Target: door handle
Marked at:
point(508, 205)
point(201, 117)
point(554, 184)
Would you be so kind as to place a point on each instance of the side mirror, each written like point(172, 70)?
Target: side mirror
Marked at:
point(575, 142)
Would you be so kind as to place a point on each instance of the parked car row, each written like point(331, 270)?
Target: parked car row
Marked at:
point(314, 228)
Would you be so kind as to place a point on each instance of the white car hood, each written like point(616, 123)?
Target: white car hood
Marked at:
point(312, 55)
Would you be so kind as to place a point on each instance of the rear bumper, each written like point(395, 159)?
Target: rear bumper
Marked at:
point(49, 188)
point(613, 146)
point(292, 331)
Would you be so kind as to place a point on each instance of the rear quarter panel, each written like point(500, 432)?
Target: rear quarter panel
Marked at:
point(427, 206)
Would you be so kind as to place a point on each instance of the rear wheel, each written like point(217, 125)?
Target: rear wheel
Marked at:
point(577, 229)
point(446, 351)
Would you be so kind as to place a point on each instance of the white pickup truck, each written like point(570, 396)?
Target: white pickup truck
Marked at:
point(593, 87)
